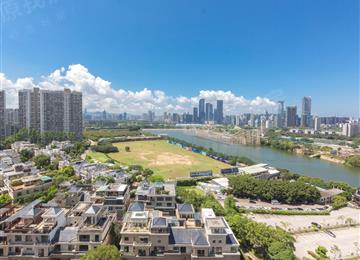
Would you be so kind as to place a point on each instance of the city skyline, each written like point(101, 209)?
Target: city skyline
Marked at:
point(100, 95)
point(284, 52)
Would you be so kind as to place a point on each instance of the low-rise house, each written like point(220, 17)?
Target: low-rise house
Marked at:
point(115, 197)
point(21, 145)
point(88, 171)
point(260, 171)
point(31, 231)
point(159, 195)
point(187, 235)
point(87, 226)
point(328, 195)
point(356, 197)
point(25, 186)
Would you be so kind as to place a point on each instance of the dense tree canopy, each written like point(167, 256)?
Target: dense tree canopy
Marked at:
point(41, 161)
point(267, 242)
point(267, 190)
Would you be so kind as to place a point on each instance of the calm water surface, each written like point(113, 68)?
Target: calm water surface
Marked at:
point(295, 163)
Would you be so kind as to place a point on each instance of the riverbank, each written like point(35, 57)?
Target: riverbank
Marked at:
point(279, 159)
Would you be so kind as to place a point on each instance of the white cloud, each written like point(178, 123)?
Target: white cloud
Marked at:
point(99, 94)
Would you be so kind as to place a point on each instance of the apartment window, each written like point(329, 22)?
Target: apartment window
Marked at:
point(159, 241)
point(126, 238)
point(97, 238)
point(201, 252)
point(71, 247)
point(126, 249)
point(158, 204)
point(169, 204)
point(220, 241)
point(144, 239)
point(160, 199)
point(84, 238)
point(214, 241)
point(168, 198)
point(183, 249)
point(17, 238)
point(83, 248)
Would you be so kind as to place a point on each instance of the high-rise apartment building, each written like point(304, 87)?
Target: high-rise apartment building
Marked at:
point(11, 121)
point(47, 110)
point(2, 114)
point(209, 113)
point(280, 117)
point(317, 123)
point(306, 112)
point(202, 111)
point(195, 115)
point(29, 108)
point(291, 116)
point(219, 111)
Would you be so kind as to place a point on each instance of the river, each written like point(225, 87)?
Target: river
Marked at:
point(295, 163)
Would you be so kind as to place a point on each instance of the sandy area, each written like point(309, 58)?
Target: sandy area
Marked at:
point(165, 158)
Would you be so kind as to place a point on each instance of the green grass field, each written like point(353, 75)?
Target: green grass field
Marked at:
point(165, 159)
point(100, 157)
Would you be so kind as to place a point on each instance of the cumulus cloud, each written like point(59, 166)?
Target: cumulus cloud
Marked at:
point(99, 94)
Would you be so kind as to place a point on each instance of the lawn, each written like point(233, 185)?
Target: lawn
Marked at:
point(165, 159)
point(100, 157)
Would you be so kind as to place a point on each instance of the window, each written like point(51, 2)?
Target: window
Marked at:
point(83, 248)
point(160, 199)
point(220, 241)
point(17, 238)
point(169, 204)
point(126, 249)
point(168, 198)
point(126, 238)
point(97, 238)
point(201, 252)
point(159, 241)
point(159, 204)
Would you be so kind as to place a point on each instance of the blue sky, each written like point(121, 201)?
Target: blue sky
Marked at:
point(278, 49)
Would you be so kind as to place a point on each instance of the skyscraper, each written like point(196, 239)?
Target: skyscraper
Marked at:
point(317, 124)
point(280, 117)
point(55, 111)
point(291, 116)
point(195, 115)
point(209, 112)
point(202, 111)
point(306, 112)
point(2, 114)
point(220, 111)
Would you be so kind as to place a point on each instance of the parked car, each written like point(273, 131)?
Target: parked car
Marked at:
point(275, 202)
point(316, 224)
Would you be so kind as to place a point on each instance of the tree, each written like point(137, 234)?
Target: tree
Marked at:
point(26, 155)
point(5, 198)
point(127, 148)
point(156, 178)
point(42, 161)
point(321, 252)
point(278, 252)
point(230, 205)
point(103, 252)
point(338, 201)
point(147, 172)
